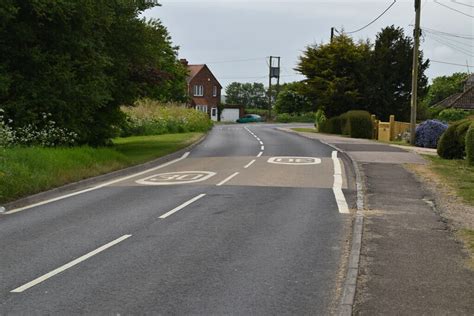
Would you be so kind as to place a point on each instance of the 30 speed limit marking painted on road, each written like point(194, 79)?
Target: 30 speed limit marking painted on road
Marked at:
point(179, 177)
point(297, 161)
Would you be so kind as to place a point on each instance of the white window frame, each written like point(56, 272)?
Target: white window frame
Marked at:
point(198, 90)
point(201, 108)
point(214, 91)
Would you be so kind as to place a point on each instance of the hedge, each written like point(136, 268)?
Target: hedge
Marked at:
point(470, 145)
point(452, 144)
point(356, 124)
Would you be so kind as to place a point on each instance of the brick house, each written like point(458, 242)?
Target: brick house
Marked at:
point(203, 88)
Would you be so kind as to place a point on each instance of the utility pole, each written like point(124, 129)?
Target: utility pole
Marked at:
point(274, 73)
point(332, 33)
point(414, 82)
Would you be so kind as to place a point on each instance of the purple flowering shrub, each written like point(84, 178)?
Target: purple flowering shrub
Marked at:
point(428, 133)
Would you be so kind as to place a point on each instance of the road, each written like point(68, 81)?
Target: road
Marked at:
point(246, 223)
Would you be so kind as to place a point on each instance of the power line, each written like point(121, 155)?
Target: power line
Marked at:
point(469, 45)
point(448, 63)
point(464, 4)
point(453, 46)
point(453, 9)
point(467, 37)
point(373, 21)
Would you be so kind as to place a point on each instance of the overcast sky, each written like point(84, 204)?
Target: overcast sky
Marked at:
point(234, 37)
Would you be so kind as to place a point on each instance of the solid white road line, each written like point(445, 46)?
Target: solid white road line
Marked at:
point(227, 179)
point(178, 208)
point(68, 265)
point(98, 186)
point(249, 164)
point(337, 186)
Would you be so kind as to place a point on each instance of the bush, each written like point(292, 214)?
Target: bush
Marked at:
point(357, 124)
point(452, 115)
point(452, 144)
point(150, 117)
point(332, 126)
point(470, 145)
point(428, 133)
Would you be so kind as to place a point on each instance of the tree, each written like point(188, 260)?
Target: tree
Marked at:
point(292, 100)
point(388, 86)
point(250, 95)
point(80, 60)
point(444, 86)
point(335, 74)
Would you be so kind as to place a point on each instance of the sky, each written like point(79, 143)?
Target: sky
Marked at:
point(235, 37)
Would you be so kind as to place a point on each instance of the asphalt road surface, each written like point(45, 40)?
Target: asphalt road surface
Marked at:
point(247, 223)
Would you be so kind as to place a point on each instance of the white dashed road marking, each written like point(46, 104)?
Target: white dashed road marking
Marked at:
point(227, 179)
point(68, 265)
point(249, 164)
point(178, 208)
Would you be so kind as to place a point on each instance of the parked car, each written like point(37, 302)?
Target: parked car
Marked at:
point(250, 118)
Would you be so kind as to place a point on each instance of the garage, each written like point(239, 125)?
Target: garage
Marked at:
point(230, 115)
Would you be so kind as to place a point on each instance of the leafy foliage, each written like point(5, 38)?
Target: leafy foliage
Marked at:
point(428, 133)
point(444, 86)
point(470, 145)
point(390, 74)
point(80, 60)
point(320, 118)
point(452, 115)
point(452, 144)
point(295, 118)
point(356, 124)
point(252, 95)
point(335, 74)
point(149, 117)
point(291, 100)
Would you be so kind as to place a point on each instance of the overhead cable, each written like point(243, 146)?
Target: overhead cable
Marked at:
point(453, 9)
point(373, 21)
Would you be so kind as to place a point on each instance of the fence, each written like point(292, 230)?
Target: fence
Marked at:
point(388, 131)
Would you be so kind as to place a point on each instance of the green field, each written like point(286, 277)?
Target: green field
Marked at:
point(25, 171)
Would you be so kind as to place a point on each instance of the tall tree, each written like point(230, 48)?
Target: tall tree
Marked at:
point(335, 74)
point(80, 60)
point(291, 99)
point(250, 95)
point(388, 86)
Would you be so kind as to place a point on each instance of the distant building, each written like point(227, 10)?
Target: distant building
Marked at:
point(463, 100)
point(203, 88)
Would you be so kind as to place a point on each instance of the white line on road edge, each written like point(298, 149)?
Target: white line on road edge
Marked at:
point(227, 179)
point(337, 186)
point(68, 265)
point(249, 164)
point(260, 154)
point(178, 208)
point(98, 186)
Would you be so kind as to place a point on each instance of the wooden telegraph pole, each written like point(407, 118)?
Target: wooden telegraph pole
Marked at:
point(414, 82)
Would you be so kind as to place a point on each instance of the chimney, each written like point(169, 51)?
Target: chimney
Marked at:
point(184, 62)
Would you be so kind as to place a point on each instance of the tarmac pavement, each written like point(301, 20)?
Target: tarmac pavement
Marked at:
point(410, 262)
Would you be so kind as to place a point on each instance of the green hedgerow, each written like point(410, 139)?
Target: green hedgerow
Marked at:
point(470, 145)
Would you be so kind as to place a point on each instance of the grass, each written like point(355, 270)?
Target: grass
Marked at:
point(458, 174)
point(467, 235)
point(305, 130)
point(29, 170)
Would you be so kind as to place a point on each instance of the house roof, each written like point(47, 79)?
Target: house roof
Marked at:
point(463, 100)
point(195, 69)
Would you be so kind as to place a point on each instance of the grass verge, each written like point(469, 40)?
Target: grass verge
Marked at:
point(25, 171)
point(458, 174)
point(305, 130)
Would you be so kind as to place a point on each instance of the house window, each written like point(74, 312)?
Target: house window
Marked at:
point(213, 112)
point(202, 108)
point(198, 90)
point(214, 91)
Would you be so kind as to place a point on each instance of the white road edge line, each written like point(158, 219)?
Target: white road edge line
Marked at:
point(227, 179)
point(249, 164)
point(178, 208)
point(260, 154)
point(337, 186)
point(68, 265)
point(97, 187)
